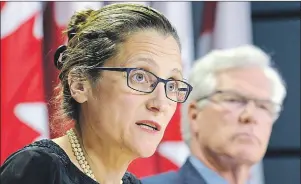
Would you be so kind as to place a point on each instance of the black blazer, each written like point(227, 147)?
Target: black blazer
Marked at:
point(44, 162)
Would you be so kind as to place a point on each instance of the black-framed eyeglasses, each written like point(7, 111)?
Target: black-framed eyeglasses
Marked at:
point(233, 100)
point(144, 81)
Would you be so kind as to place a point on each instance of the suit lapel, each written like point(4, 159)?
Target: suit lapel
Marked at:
point(190, 175)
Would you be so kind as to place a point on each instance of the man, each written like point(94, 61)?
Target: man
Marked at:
point(236, 99)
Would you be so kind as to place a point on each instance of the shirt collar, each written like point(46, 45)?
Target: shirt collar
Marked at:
point(210, 176)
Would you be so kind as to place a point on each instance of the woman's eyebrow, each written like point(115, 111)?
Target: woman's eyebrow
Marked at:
point(176, 70)
point(147, 60)
point(153, 63)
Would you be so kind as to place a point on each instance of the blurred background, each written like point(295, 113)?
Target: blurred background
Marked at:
point(31, 32)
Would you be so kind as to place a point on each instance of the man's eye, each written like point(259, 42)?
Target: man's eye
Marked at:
point(232, 99)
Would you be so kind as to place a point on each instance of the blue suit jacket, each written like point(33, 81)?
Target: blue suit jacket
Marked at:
point(187, 174)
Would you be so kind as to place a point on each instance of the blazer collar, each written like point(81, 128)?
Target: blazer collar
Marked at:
point(190, 175)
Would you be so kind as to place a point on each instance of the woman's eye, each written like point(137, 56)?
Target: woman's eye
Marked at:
point(172, 86)
point(139, 77)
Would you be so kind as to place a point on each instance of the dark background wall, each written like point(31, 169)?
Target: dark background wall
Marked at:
point(276, 29)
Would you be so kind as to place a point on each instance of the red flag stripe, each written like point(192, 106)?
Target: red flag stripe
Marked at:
point(208, 17)
point(21, 77)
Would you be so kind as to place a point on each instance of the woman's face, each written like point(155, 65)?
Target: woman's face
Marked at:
point(117, 113)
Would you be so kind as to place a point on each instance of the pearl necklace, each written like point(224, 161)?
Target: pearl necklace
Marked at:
point(79, 154)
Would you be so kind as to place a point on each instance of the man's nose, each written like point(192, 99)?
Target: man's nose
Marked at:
point(247, 115)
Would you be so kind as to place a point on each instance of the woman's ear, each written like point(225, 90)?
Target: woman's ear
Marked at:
point(79, 87)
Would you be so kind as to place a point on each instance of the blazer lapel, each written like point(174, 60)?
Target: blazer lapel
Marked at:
point(190, 175)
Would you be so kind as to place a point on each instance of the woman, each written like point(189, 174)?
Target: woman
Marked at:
point(121, 80)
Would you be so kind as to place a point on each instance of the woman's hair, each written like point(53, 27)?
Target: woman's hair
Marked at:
point(94, 36)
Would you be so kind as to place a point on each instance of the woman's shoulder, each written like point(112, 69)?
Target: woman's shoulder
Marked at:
point(39, 151)
point(35, 160)
point(130, 178)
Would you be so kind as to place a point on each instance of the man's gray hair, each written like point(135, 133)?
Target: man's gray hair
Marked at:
point(203, 76)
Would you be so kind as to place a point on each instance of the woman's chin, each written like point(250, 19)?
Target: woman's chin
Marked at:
point(147, 154)
point(145, 151)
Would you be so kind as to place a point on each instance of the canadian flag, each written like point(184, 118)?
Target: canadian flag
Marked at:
point(24, 116)
point(226, 25)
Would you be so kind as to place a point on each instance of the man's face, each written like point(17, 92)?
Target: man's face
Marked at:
point(231, 124)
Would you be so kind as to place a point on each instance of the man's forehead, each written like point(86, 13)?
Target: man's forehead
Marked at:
point(250, 81)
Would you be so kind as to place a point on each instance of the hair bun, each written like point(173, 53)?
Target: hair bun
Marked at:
point(58, 56)
point(77, 21)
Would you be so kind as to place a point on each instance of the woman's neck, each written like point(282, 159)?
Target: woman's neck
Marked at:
point(107, 159)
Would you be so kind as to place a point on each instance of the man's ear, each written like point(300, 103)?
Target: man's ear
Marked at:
point(79, 87)
point(193, 113)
